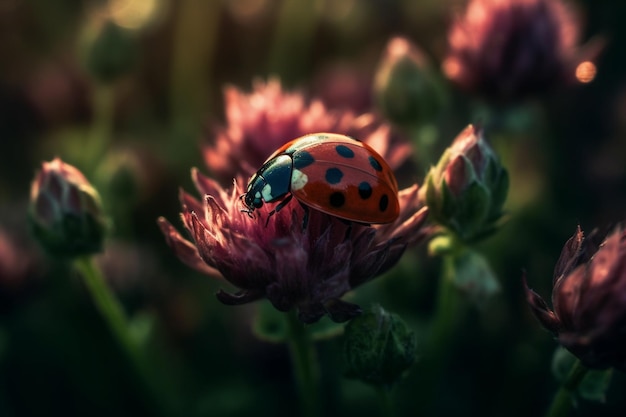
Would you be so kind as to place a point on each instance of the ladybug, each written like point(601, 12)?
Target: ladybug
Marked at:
point(332, 173)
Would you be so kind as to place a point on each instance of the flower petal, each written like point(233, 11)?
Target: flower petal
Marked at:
point(566, 295)
point(185, 250)
point(540, 309)
point(570, 254)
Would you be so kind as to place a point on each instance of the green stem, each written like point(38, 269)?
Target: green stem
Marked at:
point(107, 305)
point(386, 404)
point(447, 306)
point(305, 365)
point(444, 322)
point(562, 401)
point(112, 312)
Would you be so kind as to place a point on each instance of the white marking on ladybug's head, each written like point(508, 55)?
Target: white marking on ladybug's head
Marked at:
point(266, 192)
point(298, 179)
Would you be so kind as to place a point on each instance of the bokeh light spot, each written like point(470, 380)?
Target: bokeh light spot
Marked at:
point(134, 14)
point(398, 47)
point(451, 67)
point(586, 72)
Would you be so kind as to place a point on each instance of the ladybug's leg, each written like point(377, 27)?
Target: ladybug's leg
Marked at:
point(246, 209)
point(279, 207)
point(305, 217)
point(351, 223)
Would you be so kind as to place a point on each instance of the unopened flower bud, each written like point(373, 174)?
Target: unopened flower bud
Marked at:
point(406, 89)
point(589, 289)
point(111, 53)
point(379, 347)
point(65, 212)
point(466, 190)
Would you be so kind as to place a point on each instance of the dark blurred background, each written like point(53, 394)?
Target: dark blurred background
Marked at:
point(135, 123)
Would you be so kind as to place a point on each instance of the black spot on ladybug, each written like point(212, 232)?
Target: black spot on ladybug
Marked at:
point(365, 190)
point(383, 203)
point(375, 164)
point(333, 175)
point(337, 199)
point(344, 151)
point(302, 159)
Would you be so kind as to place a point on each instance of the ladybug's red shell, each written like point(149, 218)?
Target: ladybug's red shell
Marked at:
point(332, 173)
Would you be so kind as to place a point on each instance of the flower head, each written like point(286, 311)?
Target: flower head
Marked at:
point(467, 188)
point(65, 211)
point(308, 265)
point(260, 122)
point(589, 300)
point(510, 49)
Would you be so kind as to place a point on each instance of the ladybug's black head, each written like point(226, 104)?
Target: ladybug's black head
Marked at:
point(252, 199)
point(247, 209)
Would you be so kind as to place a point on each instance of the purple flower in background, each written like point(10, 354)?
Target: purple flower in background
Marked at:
point(260, 122)
point(296, 266)
point(511, 49)
point(589, 300)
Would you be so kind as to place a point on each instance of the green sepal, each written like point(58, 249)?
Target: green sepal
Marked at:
point(432, 201)
point(442, 163)
point(499, 193)
point(71, 236)
point(473, 208)
point(449, 208)
point(594, 385)
point(492, 172)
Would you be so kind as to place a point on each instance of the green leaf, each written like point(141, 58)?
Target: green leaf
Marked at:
point(594, 385)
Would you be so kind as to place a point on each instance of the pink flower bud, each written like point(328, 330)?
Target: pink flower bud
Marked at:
point(65, 212)
point(466, 190)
